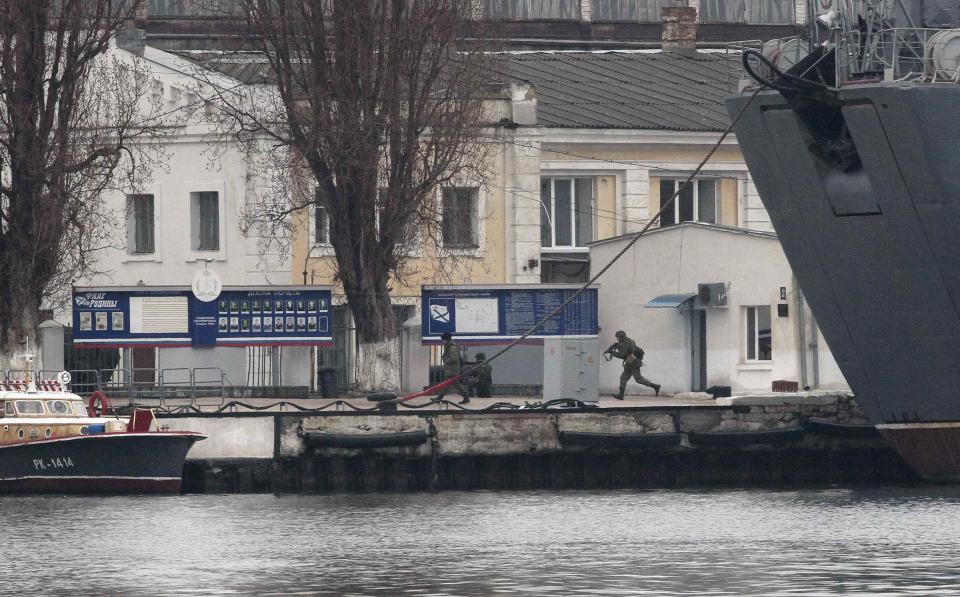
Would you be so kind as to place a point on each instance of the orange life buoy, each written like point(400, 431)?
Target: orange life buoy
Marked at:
point(99, 403)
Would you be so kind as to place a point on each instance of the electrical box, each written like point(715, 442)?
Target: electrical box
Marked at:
point(571, 369)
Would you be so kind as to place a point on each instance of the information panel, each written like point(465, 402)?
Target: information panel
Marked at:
point(498, 314)
point(173, 316)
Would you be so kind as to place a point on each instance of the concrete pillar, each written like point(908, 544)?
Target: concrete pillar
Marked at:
point(801, 12)
point(586, 10)
point(522, 179)
point(636, 199)
point(416, 357)
point(51, 346)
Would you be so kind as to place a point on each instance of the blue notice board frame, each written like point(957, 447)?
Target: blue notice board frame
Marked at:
point(116, 317)
point(502, 313)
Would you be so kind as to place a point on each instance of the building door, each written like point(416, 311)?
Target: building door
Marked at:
point(698, 350)
point(144, 359)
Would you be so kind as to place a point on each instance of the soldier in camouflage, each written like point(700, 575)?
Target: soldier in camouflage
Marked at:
point(451, 368)
point(626, 349)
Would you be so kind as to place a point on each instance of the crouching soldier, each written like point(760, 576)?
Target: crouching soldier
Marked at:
point(626, 349)
point(481, 377)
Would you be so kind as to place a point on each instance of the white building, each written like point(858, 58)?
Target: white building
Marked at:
point(755, 331)
point(190, 217)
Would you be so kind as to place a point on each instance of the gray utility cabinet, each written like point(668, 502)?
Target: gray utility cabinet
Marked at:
point(571, 368)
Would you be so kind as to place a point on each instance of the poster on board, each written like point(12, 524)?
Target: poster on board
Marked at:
point(499, 314)
point(174, 316)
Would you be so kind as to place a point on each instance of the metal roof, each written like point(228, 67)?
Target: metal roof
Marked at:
point(650, 90)
point(674, 301)
point(628, 90)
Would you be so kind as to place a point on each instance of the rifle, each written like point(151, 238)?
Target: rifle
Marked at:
point(609, 352)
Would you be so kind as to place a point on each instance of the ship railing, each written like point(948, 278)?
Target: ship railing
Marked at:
point(899, 54)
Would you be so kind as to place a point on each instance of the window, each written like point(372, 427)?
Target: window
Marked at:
point(29, 407)
point(566, 216)
point(140, 224)
point(697, 201)
point(205, 220)
point(643, 11)
point(759, 337)
point(459, 217)
point(513, 10)
point(321, 225)
point(762, 12)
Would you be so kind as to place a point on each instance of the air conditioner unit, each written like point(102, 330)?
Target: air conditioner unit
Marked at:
point(712, 295)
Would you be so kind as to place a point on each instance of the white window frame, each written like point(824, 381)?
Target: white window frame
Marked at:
point(573, 248)
point(157, 255)
point(478, 221)
point(696, 199)
point(754, 334)
point(195, 187)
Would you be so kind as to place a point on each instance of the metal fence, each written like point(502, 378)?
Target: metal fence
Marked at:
point(200, 386)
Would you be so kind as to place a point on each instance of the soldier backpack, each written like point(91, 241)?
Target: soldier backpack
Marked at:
point(638, 352)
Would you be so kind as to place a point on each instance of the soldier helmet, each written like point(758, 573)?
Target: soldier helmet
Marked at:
point(481, 356)
point(446, 336)
point(620, 334)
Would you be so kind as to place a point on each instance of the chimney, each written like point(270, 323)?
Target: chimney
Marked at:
point(679, 29)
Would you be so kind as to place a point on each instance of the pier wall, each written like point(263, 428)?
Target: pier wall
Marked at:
point(519, 450)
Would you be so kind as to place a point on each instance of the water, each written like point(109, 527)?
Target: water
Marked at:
point(877, 542)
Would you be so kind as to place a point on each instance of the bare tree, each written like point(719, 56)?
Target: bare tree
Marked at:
point(381, 103)
point(71, 116)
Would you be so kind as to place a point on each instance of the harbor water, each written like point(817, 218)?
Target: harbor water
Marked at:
point(889, 541)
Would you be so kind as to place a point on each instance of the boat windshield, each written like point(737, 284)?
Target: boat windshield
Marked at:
point(79, 408)
point(29, 407)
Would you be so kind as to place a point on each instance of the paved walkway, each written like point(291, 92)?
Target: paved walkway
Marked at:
point(286, 405)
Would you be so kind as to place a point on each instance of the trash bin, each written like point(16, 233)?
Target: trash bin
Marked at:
point(327, 381)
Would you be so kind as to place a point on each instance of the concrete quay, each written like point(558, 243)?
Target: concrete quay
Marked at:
point(813, 438)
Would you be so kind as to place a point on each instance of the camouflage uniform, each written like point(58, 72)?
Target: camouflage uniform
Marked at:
point(481, 377)
point(451, 368)
point(623, 349)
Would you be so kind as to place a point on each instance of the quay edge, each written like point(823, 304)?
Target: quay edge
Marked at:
point(269, 452)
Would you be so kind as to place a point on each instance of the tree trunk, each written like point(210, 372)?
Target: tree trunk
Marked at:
point(378, 354)
point(378, 365)
point(19, 335)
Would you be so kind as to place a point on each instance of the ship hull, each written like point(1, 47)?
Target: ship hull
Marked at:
point(106, 464)
point(874, 250)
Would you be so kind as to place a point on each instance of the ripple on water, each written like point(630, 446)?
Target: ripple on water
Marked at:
point(884, 541)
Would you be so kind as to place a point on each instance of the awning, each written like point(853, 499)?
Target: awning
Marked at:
point(670, 300)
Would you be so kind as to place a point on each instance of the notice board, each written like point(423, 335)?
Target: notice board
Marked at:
point(502, 313)
point(173, 316)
